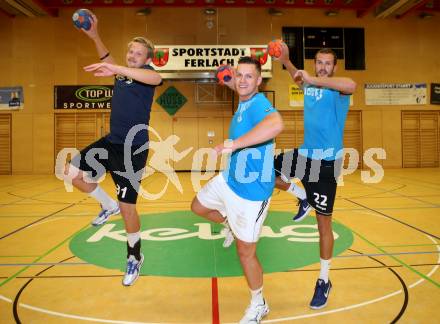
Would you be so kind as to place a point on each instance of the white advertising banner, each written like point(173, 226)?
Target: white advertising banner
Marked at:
point(206, 57)
point(395, 93)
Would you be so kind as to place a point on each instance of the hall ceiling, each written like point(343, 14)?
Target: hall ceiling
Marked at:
point(379, 8)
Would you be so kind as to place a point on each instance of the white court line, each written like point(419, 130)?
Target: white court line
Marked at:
point(5, 299)
point(361, 304)
point(46, 221)
point(85, 318)
point(432, 271)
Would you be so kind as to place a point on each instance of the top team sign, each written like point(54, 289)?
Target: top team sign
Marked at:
point(185, 58)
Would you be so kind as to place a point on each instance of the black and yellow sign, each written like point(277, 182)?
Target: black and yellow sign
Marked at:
point(83, 97)
point(435, 93)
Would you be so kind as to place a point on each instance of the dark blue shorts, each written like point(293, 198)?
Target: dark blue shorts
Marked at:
point(126, 168)
point(319, 178)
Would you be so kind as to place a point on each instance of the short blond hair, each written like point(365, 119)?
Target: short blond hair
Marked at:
point(146, 43)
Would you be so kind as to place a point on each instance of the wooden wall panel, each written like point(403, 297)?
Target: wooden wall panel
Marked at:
point(186, 128)
point(420, 139)
point(391, 139)
point(210, 134)
point(43, 153)
point(78, 130)
point(353, 134)
point(61, 52)
point(22, 148)
point(293, 134)
point(5, 143)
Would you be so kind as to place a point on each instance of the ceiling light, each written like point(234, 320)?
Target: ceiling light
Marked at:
point(274, 12)
point(210, 11)
point(143, 12)
point(331, 13)
point(425, 15)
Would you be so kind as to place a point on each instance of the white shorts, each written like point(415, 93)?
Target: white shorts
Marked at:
point(245, 217)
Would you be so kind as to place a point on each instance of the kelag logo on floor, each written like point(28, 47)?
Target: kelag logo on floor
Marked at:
point(180, 244)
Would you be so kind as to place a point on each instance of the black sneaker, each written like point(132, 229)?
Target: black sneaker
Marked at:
point(320, 297)
point(303, 210)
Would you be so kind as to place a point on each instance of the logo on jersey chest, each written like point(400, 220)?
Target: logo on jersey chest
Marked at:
point(241, 109)
point(124, 79)
point(317, 93)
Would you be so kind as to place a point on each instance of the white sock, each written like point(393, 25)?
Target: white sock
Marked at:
point(104, 199)
point(132, 238)
point(257, 296)
point(325, 268)
point(297, 191)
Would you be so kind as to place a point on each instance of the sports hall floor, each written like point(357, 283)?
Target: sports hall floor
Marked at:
point(389, 273)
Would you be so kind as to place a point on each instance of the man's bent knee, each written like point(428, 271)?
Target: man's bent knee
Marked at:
point(71, 172)
point(197, 207)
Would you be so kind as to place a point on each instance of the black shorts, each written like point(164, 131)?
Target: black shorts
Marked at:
point(319, 178)
point(102, 156)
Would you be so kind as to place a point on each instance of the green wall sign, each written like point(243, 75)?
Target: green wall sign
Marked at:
point(171, 100)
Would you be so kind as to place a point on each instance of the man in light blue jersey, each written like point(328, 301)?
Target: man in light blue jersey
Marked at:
point(318, 160)
point(239, 196)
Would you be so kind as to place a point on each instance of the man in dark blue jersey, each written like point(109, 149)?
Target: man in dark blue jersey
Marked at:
point(318, 161)
point(117, 152)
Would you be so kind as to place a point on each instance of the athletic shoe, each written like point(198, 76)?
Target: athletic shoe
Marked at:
point(322, 291)
point(104, 214)
point(254, 313)
point(133, 270)
point(229, 236)
point(303, 211)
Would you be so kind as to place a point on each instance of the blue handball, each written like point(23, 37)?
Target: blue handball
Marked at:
point(82, 18)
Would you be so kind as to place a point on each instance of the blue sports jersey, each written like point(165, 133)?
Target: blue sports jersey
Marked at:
point(325, 112)
point(131, 105)
point(250, 172)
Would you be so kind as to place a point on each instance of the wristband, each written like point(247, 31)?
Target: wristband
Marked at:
point(105, 56)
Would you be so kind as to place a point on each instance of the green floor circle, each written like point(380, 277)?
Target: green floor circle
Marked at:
point(181, 244)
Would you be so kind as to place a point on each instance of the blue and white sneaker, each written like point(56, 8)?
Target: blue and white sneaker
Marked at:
point(133, 270)
point(320, 297)
point(303, 210)
point(254, 313)
point(104, 215)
